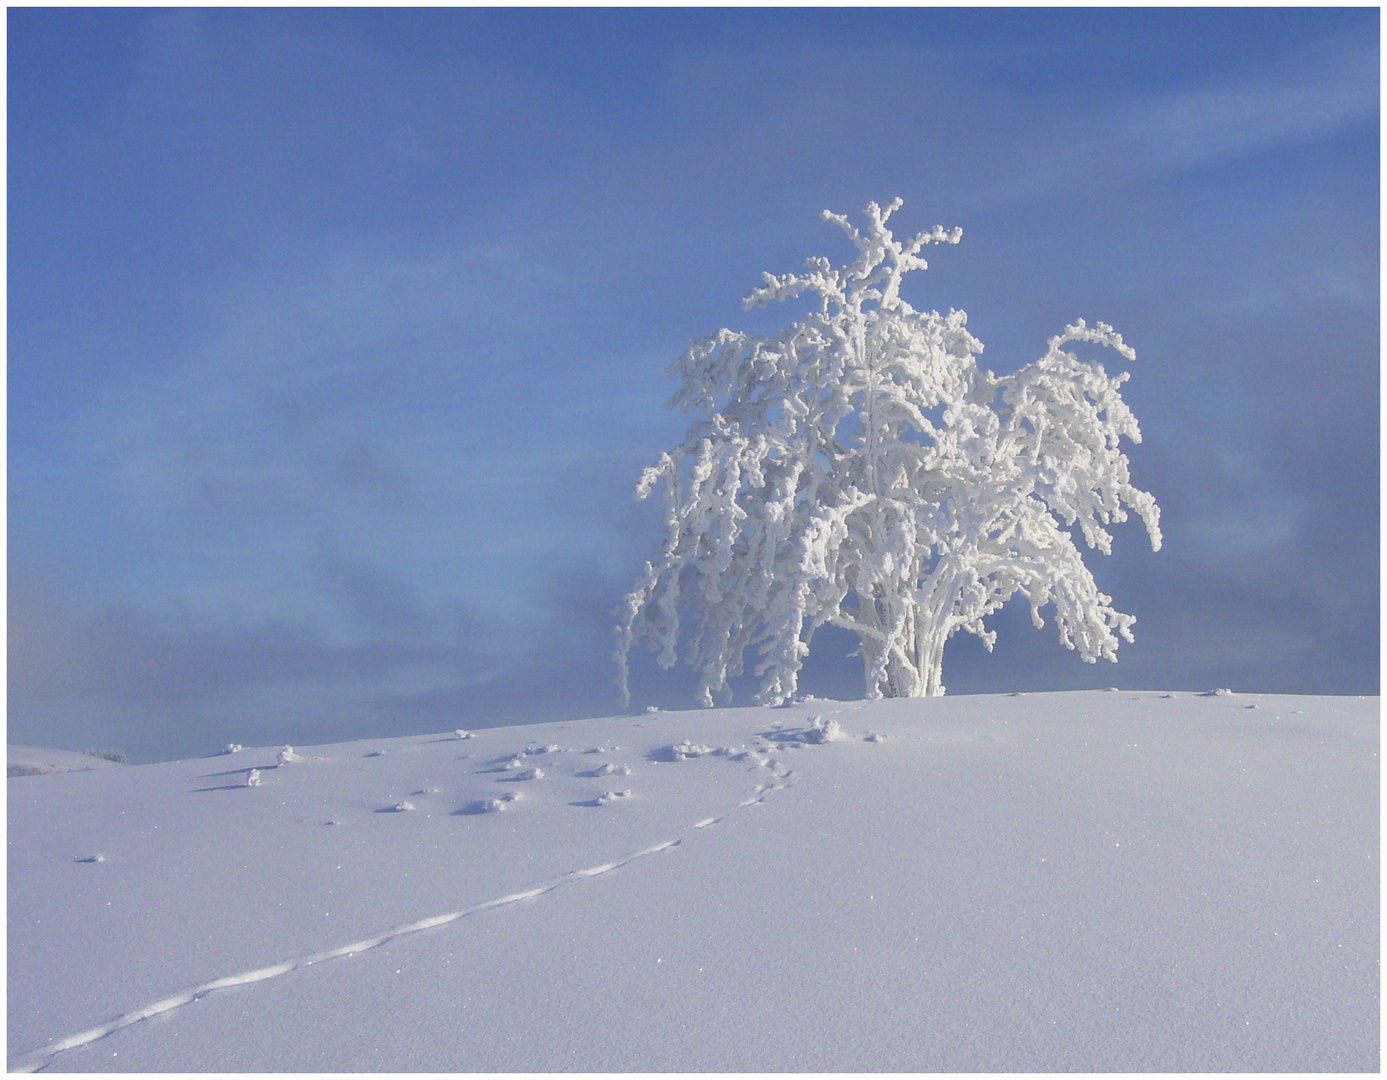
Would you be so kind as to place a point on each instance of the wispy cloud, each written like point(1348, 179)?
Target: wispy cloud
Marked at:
point(1331, 93)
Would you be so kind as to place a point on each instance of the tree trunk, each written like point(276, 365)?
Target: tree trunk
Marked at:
point(913, 668)
point(932, 675)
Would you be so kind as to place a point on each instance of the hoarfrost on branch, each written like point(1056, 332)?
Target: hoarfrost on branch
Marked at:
point(860, 470)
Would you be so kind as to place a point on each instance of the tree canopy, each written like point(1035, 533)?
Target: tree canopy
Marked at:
point(860, 470)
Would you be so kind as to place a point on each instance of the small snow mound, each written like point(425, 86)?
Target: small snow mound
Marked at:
point(287, 755)
point(606, 798)
point(98, 857)
point(681, 751)
point(823, 731)
point(612, 770)
point(818, 732)
point(1222, 691)
point(496, 805)
point(233, 748)
point(552, 748)
point(874, 736)
point(652, 708)
point(253, 778)
point(378, 753)
point(517, 762)
point(402, 807)
point(529, 774)
point(463, 733)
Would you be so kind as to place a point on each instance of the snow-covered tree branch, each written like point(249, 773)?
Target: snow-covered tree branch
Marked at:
point(860, 470)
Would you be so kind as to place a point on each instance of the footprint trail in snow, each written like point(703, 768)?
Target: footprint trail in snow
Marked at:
point(35, 1060)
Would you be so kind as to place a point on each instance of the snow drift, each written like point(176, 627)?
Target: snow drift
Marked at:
point(1080, 881)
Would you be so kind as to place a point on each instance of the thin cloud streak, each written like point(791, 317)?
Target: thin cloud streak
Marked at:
point(1334, 94)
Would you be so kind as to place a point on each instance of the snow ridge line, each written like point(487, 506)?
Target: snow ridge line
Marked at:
point(38, 1059)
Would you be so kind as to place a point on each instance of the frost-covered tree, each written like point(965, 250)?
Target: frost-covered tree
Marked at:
point(860, 470)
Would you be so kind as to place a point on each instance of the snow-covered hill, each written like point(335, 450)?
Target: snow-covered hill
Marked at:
point(1112, 881)
point(38, 761)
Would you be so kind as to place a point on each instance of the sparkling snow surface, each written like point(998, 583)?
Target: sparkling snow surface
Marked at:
point(1105, 880)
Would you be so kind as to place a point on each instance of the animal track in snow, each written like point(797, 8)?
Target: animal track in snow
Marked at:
point(35, 1060)
point(761, 792)
point(38, 1059)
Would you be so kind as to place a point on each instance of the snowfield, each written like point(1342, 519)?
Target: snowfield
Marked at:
point(37, 761)
point(1071, 881)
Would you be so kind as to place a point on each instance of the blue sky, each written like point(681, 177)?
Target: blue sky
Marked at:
point(338, 338)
